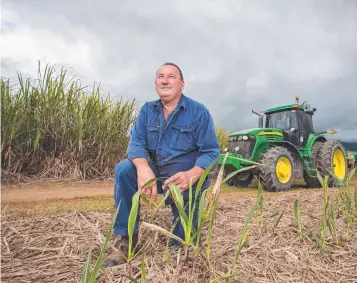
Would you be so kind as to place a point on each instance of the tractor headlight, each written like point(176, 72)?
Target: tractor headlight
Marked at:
point(245, 138)
point(237, 148)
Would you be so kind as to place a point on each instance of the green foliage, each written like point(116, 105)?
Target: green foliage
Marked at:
point(332, 223)
point(222, 136)
point(356, 200)
point(87, 275)
point(344, 199)
point(246, 230)
point(324, 220)
point(207, 209)
point(192, 236)
point(261, 203)
point(297, 213)
point(54, 127)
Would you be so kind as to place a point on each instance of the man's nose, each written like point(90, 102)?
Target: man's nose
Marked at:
point(164, 80)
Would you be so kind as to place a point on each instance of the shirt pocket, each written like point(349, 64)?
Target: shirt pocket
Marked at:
point(153, 137)
point(182, 138)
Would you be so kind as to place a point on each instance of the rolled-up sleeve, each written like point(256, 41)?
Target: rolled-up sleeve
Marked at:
point(206, 140)
point(137, 142)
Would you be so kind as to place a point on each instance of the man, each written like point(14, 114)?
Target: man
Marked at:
point(173, 138)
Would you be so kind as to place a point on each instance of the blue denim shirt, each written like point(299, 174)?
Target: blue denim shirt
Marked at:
point(185, 140)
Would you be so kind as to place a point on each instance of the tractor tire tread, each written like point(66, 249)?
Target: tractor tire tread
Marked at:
point(324, 160)
point(313, 182)
point(267, 175)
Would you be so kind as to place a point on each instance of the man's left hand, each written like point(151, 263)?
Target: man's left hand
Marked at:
point(183, 179)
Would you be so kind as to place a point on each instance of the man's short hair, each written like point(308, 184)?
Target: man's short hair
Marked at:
point(173, 64)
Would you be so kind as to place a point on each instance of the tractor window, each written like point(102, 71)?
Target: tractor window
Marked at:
point(306, 122)
point(284, 120)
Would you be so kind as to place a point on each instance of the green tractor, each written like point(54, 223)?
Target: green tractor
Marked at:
point(286, 142)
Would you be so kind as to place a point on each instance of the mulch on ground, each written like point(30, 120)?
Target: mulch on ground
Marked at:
point(54, 248)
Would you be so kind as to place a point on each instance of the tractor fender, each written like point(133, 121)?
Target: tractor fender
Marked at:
point(312, 139)
point(289, 146)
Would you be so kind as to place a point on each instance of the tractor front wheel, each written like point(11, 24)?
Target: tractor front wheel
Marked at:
point(242, 180)
point(278, 175)
point(331, 158)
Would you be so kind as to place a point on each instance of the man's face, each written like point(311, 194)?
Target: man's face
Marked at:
point(168, 83)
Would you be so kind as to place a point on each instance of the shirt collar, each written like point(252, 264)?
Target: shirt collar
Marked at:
point(181, 104)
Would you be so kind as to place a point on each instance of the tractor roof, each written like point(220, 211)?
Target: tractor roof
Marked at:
point(283, 108)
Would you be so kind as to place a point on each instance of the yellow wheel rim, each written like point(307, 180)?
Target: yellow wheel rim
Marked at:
point(283, 170)
point(339, 164)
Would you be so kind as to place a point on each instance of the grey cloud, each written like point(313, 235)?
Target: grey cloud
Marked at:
point(235, 55)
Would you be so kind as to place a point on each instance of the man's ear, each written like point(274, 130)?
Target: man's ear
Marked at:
point(182, 85)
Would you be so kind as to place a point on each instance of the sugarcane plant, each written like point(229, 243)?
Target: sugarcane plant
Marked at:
point(53, 118)
point(332, 223)
point(324, 218)
point(349, 209)
point(193, 233)
point(261, 203)
point(243, 238)
point(297, 213)
point(89, 276)
point(345, 195)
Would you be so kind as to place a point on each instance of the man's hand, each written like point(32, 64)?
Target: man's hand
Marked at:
point(183, 179)
point(145, 173)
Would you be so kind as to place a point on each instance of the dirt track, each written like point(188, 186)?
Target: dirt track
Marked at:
point(60, 189)
point(44, 190)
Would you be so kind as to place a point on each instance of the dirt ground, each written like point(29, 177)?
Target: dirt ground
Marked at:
point(52, 189)
point(42, 190)
point(53, 247)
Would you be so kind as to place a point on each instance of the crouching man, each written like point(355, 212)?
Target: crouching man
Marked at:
point(173, 138)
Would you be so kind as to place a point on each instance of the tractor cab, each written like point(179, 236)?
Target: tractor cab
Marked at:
point(294, 120)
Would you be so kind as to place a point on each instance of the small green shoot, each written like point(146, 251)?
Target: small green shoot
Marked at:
point(91, 277)
point(297, 213)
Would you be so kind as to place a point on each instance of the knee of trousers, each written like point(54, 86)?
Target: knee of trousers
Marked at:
point(125, 169)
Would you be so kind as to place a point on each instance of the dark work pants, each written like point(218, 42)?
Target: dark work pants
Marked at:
point(125, 186)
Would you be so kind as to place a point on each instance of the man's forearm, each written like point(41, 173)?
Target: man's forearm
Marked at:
point(140, 163)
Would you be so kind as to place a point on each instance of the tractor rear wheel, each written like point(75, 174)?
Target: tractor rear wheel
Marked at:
point(313, 182)
point(332, 158)
point(279, 174)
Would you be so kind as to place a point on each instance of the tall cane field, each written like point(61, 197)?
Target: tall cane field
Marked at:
point(52, 126)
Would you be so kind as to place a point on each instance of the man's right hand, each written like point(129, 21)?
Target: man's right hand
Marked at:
point(145, 173)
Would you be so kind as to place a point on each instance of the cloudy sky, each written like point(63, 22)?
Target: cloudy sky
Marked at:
point(235, 55)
